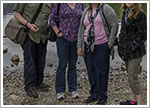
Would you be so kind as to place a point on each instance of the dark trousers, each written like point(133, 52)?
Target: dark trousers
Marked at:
point(34, 62)
point(97, 64)
point(67, 54)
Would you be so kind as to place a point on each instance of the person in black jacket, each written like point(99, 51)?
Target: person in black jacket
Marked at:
point(131, 47)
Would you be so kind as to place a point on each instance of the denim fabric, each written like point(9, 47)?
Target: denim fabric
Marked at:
point(67, 54)
point(97, 64)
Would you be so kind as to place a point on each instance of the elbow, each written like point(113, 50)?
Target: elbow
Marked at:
point(16, 14)
point(115, 27)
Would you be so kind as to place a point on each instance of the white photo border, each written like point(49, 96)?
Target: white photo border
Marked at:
point(101, 1)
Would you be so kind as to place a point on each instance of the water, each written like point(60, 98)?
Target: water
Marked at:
point(51, 53)
point(15, 48)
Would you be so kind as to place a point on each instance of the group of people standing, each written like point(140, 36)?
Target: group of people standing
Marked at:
point(85, 31)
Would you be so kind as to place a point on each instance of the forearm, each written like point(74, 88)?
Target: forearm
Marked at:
point(20, 18)
point(113, 34)
point(56, 30)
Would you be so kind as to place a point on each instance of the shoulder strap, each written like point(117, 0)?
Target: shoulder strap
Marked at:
point(57, 15)
point(37, 13)
point(83, 7)
point(58, 8)
point(105, 18)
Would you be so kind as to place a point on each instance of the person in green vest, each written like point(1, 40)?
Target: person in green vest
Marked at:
point(35, 45)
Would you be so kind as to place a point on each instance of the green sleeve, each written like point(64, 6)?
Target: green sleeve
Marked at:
point(19, 7)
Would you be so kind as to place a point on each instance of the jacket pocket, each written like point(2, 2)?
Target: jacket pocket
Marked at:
point(130, 47)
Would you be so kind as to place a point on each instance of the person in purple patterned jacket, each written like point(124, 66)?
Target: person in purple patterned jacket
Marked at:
point(69, 21)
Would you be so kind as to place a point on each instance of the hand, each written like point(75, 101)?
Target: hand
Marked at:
point(109, 47)
point(80, 51)
point(60, 34)
point(32, 27)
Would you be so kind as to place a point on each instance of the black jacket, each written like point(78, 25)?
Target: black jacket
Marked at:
point(132, 37)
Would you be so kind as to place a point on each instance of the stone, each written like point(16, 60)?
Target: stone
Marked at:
point(5, 50)
point(123, 67)
point(50, 65)
point(15, 59)
point(14, 97)
point(12, 65)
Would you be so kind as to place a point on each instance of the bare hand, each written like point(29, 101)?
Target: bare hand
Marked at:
point(60, 34)
point(32, 27)
point(80, 51)
point(109, 47)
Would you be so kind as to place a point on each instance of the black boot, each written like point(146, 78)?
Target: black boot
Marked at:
point(42, 87)
point(31, 92)
point(90, 99)
point(101, 102)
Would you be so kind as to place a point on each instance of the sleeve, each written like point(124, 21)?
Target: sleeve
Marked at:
point(141, 30)
point(80, 33)
point(19, 7)
point(113, 22)
point(81, 30)
point(53, 13)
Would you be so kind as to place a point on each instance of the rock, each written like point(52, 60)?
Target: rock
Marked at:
point(5, 50)
point(50, 65)
point(14, 97)
point(118, 89)
point(12, 65)
point(15, 59)
point(116, 69)
point(123, 67)
point(5, 36)
point(140, 70)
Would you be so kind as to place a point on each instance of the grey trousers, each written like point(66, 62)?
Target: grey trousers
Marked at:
point(133, 70)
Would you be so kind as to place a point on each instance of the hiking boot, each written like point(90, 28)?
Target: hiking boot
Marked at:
point(128, 102)
point(42, 87)
point(75, 95)
point(31, 92)
point(101, 102)
point(90, 99)
point(60, 96)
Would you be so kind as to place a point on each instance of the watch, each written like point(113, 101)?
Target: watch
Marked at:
point(57, 33)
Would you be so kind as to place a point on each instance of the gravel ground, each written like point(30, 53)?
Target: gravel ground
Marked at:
point(14, 94)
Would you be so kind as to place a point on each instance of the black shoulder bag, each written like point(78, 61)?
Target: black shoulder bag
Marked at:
point(52, 34)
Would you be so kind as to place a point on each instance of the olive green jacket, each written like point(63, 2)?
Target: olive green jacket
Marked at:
point(28, 10)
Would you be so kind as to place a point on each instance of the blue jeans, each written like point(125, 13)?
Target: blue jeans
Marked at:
point(97, 64)
point(67, 54)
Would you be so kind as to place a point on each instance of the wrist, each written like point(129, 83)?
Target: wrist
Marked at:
point(26, 23)
point(57, 33)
